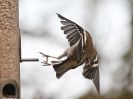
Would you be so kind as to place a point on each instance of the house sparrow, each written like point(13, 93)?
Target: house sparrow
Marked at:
point(81, 51)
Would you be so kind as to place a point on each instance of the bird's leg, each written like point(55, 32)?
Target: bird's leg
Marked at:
point(47, 56)
point(62, 55)
point(59, 57)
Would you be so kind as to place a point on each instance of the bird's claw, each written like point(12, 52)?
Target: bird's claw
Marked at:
point(45, 63)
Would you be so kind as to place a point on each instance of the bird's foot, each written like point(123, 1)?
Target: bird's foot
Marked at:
point(46, 63)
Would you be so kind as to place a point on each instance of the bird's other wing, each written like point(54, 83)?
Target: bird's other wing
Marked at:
point(91, 71)
point(74, 33)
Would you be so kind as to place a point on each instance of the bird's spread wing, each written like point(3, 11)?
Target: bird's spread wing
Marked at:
point(74, 33)
point(91, 71)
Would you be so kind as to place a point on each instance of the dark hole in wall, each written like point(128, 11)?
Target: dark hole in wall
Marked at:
point(9, 90)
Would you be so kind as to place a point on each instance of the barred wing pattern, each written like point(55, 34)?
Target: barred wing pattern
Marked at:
point(91, 71)
point(74, 33)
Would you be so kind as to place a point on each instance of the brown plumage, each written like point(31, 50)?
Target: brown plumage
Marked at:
point(81, 51)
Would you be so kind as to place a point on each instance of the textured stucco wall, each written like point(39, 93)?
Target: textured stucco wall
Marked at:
point(9, 42)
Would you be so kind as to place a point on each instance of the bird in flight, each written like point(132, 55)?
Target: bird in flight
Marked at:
point(81, 51)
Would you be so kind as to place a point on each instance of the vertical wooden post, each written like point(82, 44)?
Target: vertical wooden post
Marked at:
point(9, 50)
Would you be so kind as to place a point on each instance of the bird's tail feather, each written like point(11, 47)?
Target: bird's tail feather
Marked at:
point(93, 74)
point(96, 80)
point(61, 68)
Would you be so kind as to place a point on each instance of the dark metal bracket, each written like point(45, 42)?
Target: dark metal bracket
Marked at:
point(29, 59)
